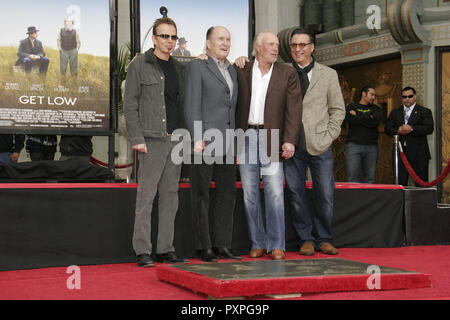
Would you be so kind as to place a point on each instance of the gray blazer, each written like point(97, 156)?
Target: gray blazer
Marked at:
point(207, 99)
point(323, 110)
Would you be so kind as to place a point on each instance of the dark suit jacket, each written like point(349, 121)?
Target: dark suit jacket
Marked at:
point(421, 120)
point(25, 49)
point(207, 99)
point(283, 107)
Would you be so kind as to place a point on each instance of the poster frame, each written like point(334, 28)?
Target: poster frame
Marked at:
point(113, 93)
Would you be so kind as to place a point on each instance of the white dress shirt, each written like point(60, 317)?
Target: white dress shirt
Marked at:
point(260, 84)
point(407, 112)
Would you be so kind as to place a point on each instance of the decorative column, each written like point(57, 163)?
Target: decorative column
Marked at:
point(414, 40)
point(314, 14)
point(347, 10)
point(331, 15)
point(302, 13)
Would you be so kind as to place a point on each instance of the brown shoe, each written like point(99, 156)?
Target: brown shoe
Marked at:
point(277, 254)
point(328, 248)
point(258, 253)
point(307, 249)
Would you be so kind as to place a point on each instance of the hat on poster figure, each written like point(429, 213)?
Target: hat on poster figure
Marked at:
point(181, 50)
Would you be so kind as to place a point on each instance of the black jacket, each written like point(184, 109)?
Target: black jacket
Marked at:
point(11, 142)
point(363, 128)
point(415, 144)
point(26, 49)
point(75, 145)
point(41, 143)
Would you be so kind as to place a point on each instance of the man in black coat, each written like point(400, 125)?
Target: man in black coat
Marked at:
point(31, 53)
point(412, 123)
point(41, 147)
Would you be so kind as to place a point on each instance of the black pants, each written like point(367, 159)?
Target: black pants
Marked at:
point(222, 209)
point(419, 167)
point(42, 155)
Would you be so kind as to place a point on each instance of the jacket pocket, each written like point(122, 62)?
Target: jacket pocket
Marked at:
point(322, 128)
point(149, 81)
point(149, 133)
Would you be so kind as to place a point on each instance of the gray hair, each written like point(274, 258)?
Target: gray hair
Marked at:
point(257, 42)
point(69, 19)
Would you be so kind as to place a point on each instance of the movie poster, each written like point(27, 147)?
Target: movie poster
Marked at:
point(55, 66)
point(193, 19)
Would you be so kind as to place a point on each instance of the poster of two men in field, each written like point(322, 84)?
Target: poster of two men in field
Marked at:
point(55, 66)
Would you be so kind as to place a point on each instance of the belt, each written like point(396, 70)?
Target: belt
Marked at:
point(256, 126)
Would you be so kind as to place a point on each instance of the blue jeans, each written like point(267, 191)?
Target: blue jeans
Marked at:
point(257, 164)
point(5, 158)
point(321, 168)
point(361, 156)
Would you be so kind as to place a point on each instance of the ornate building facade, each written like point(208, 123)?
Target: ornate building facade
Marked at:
point(387, 43)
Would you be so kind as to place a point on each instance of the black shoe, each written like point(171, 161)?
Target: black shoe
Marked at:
point(170, 257)
point(144, 260)
point(207, 255)
point(223, 252)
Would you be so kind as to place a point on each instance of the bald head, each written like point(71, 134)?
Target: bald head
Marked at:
point(68, 23)
point(218, 42)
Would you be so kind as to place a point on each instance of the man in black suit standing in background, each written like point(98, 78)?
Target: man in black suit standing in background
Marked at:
point(31, 53)
point(412, 123)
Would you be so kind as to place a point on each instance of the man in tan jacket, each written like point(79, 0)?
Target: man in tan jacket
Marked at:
point(323, 113)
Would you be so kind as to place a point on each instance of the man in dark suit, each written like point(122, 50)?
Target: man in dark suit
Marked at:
point(211, 95)
point(412, 123)
point(31, 53)
point(269, 110)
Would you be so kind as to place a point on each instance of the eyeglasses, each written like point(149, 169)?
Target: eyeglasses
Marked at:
point(300, 45)
point(166, 36)
point(409, 97)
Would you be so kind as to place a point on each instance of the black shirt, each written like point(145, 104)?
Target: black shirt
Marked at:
point(363, 128)
point(170, 94)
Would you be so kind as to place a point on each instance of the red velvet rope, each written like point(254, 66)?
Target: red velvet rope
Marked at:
point(417, 179)
point(103, 164)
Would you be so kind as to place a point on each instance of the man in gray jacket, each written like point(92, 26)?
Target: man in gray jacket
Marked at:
point(211, 97)
point(153, 106)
